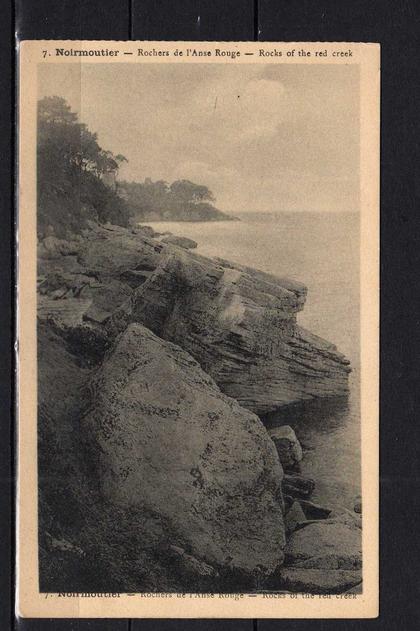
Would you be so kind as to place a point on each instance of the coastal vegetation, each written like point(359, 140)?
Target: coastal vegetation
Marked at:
point(180, 201)
point(77, 181)
point(71, 167)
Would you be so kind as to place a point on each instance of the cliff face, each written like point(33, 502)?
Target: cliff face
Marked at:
point(240, 324)
point(158, 357)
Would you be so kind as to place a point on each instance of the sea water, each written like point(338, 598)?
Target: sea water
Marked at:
point(322, 251)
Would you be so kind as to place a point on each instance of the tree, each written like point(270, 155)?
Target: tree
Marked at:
point(70, 143)
point(189, 192)
point(54, 110)
point(70, 165)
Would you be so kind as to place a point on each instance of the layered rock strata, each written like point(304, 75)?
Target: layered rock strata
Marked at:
point(240, 324)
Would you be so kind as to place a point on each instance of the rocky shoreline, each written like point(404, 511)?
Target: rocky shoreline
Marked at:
point(156, 472)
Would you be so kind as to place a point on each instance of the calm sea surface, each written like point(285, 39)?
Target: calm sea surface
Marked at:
point(322, 251)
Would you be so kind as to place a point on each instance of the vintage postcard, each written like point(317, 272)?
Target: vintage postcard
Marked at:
point(198, 329)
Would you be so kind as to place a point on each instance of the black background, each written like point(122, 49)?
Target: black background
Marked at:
point(395, 24)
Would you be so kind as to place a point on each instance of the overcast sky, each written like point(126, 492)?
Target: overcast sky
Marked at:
point(262, 137)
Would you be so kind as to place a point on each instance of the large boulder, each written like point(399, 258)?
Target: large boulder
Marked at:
point(95, 541)
point(171, 441)
point(327, 544)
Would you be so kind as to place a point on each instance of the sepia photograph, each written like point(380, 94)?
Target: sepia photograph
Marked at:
point(198, 355)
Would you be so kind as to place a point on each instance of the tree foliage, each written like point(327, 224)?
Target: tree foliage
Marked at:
point(182, 200)
point(189, 192)
point(70, 164)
